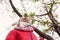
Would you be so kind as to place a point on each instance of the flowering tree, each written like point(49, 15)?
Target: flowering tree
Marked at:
point(53, 24)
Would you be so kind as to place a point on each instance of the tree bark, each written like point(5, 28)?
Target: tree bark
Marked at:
point(18, 13)
point(43, 34)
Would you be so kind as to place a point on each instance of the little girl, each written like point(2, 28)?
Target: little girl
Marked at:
point(23, 31)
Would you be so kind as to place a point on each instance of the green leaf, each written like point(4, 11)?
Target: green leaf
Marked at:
point(47, 30)
point(14, 24)
point(45, 23)
point(32, 21)
point(56, 16)
point(57, 3)
point(36, 0)
point(32, 14)
point(25, 15)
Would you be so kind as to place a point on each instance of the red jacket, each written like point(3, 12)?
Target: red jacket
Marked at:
point(20, 35)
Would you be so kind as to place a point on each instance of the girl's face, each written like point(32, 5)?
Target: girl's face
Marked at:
point(25, 20)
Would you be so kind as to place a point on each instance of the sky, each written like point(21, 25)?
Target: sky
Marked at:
point(7, 18)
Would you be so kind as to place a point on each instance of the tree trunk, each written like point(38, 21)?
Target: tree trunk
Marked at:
point(43, 34)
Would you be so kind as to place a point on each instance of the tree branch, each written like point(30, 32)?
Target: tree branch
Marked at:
point(43, 34)
point(54, 21)
point(19, 14)
point(41, 15)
